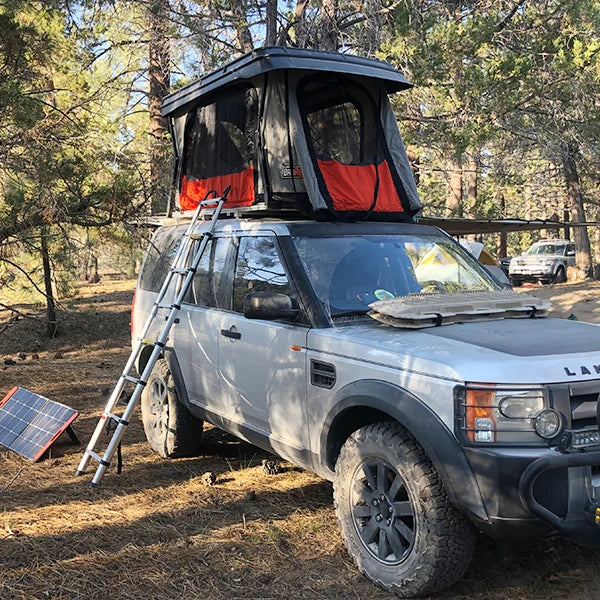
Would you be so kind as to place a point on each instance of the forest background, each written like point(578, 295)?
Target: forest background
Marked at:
point(503, 121)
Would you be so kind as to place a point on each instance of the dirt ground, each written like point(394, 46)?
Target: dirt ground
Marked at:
point(158, 532)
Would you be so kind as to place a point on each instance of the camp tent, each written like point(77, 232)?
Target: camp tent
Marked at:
point(293, 128)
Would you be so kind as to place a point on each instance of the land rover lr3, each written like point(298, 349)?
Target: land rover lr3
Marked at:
point(378, 354)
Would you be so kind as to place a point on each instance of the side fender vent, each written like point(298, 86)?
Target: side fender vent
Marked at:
point(322, 374)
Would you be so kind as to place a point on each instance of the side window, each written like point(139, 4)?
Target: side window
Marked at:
point(570, 250)
point(337, 133)
point(159, 258)
point(208, 284)
point(258, 269)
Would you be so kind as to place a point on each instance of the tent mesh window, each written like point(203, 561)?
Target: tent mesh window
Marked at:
point(354, 169)
point(220, 149)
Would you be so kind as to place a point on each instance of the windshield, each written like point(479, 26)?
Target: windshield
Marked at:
point(552, 249)
point(350, 272)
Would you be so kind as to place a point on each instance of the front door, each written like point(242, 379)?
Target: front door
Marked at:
point(263, 363)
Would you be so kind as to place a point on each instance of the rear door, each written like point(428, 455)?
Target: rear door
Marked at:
point(263, 363)
point(196, 336)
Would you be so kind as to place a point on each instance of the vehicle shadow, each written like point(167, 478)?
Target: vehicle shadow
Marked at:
point(221, 454)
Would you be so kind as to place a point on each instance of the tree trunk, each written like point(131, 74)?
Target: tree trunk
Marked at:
point(502, 246)
point(271, 22)
point(240, 15)
point(51, 325)
point(94, 275)
point(575, 198)
point(454, 196)
point(159, 75)
point(329, 34)
point(300, 27)
point(597, 250)
point(470, 184)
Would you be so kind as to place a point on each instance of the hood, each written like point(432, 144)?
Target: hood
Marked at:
point(501, 351)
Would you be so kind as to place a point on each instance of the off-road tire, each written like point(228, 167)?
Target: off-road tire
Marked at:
point(443, 539)
point(171, 430)
point(560, 275)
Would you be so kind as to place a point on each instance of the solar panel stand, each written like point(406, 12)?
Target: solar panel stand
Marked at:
point(71, 433)
point(186, 275)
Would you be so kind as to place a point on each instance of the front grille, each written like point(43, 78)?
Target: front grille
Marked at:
point(578, 402)
point(583, 410)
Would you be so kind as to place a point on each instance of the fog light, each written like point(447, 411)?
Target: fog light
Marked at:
point(547, 423)
point(484, 429)
point(587, 437)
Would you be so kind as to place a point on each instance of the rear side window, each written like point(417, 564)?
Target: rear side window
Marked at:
point(159, 258)
point(208, 287)
point(258, 269)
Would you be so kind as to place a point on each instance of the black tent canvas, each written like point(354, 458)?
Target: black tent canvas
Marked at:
point(294, 128)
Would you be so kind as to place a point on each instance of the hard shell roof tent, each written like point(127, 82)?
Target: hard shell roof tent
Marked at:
point(293, 128)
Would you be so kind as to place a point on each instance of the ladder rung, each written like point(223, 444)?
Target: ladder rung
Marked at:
point(96, 456)
point(210, 202)
point(117, 419)
point(134, 380)
point(169, 306)
point(201, 234)
point(152, 343)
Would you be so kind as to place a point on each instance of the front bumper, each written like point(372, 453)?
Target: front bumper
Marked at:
point(581, 521)
point(525, 273)
point(535, 492)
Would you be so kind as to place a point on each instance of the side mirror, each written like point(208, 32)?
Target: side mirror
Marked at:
point(523, 253)
point(270, 306)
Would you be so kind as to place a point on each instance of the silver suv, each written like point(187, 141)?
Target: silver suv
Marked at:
point(429, 434)
point(545, 261)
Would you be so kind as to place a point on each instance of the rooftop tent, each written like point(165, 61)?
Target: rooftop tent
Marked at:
point(294, 128)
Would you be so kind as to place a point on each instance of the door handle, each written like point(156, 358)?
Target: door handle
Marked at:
point(235, 335)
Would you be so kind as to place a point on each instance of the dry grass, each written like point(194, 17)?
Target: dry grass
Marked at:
point(156, 532)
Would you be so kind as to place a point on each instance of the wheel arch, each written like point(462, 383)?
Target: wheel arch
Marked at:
point(369, 401)
point(169, 355)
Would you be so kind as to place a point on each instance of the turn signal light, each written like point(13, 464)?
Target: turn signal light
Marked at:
point(479, 415)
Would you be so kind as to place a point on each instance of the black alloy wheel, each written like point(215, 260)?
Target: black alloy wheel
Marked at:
point(382, 511)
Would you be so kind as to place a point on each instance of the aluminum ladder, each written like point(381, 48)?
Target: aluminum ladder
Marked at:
point(186, 275)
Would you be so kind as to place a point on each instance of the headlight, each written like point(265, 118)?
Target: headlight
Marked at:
point(506, 414)
point(548, 263)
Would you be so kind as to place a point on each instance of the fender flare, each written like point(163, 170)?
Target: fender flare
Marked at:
point(437, 440)
point(171, 358)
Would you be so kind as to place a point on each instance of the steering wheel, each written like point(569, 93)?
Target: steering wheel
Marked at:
point(431, 285)
point(367, 298)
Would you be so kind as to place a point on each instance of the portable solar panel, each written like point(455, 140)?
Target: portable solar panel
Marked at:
point(30, 423)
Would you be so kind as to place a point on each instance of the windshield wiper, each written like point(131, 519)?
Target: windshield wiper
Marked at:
point(350, 313)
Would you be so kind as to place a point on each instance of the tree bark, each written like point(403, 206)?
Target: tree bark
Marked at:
point(51, 325)
point(300, 28)
point(575, 198)
point(159, 76)
point(271, 23)
point(454, 196)
point(502, 245)
point(470, 183)
point(244, 36)
point(329, 34)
